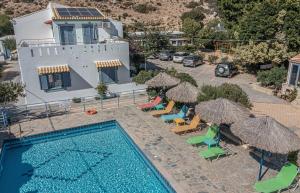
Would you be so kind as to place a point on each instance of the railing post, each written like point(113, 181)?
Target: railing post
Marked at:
point(46, 109)
point(101, 102)
point(133, 93)
point(83, 106)
point(118, 101)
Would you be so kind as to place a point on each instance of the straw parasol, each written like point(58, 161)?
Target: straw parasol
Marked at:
point(266, 134)
point(222, 111)
point(184, 93)
point(162, 80)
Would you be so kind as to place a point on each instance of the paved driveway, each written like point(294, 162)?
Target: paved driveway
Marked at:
point(204, 74)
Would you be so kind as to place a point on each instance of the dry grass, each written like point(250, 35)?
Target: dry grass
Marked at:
point(167, 15)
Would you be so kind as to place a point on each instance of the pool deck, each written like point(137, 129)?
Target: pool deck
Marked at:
point(178, 162)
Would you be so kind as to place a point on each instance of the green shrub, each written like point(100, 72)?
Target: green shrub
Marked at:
point(292, 95)
point(184, 77)
point(144, 8)
point(152, 92)
point(229, 91)
point(143, 76)
point(101, 89)
point(195, 14)
point(274, 77)
point(6, 27)
point(10, 43)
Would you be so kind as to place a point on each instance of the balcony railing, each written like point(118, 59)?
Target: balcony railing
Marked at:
point(51, 42)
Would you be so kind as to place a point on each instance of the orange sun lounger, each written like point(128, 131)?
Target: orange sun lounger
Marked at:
point(185, 128)
point(167, 110)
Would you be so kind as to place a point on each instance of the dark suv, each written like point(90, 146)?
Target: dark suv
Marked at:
point(226, 70)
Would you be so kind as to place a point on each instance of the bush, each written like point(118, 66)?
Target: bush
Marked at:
point(274, 77)
point(195, 14)
point(229, 91)
point(101, 89)
point(292, 95)
point(144, 8)
point(184, 77)
point(10, 43)
point(143, 76)
point(6, 27)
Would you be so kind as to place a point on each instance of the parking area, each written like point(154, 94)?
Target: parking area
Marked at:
point(205, 74)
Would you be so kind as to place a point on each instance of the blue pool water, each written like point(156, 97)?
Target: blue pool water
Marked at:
point(93, 158)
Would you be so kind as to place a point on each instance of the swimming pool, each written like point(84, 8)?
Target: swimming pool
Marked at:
point(92, 158)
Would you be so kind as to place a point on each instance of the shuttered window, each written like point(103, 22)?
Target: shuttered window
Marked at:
point(55, 81)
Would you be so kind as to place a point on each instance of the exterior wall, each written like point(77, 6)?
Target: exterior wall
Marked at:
point(33, 27)
point(81, 60)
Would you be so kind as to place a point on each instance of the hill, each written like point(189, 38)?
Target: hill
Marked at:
point(165, 14)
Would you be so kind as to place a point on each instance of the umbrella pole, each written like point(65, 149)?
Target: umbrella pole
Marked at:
point(261, 165)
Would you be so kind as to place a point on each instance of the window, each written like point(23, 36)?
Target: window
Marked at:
point(90, 33)
point(294, 74)
point(67, 35)
point(55, 81)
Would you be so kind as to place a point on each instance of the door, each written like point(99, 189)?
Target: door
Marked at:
point(67, 35)
point(109, 75)
point(87, 33)
point(294, 75)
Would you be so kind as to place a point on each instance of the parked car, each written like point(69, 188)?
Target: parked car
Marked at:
point(166, 55)
point(226, 70)
point(192, 61)
point(179, 56)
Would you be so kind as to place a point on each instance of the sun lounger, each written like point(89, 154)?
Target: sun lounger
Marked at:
point(283, 180)
point(185, 128)
point(210, 134)
point(212, 153)
point(171, 117)
point(165, 111)
point(150, 105)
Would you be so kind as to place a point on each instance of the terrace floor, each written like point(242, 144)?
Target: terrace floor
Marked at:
point(177, 161)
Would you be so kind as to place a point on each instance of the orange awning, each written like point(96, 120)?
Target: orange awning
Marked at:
point(53, 69)
point(108, 63)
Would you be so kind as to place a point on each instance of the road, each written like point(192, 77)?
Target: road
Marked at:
point(204, 74)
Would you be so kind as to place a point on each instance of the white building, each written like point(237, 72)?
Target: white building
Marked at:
point(65, 52)
point(293, 78)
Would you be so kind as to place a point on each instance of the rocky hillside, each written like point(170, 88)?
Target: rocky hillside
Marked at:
point(165, 14)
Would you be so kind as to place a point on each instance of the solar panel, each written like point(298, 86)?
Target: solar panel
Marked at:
point(78, 12)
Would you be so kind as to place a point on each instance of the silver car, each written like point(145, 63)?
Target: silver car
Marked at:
point(166, 55)
point(192, 61)
point(179, 56)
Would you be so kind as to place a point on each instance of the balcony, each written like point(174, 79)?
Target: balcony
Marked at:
point(49, 48)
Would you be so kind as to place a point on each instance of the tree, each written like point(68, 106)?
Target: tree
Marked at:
point(6, 27)
point(261, 53)
point(10, 91)
point(269, 18)
point(191, 28)
point(195, 14)
point(10, 43)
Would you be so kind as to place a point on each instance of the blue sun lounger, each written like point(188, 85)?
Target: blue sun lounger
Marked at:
point(171, 117)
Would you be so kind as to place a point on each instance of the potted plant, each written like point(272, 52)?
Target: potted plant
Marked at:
point(101, 89)
point(76, 100)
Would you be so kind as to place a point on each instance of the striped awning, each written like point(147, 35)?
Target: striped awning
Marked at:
point(108, 63)
point(53, 69)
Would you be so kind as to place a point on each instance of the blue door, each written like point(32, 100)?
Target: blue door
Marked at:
point(109, 75)
point(67, 35)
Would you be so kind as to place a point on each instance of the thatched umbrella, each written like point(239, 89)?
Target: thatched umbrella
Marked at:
point(162, 80)
point(184, 93)
point(222, 111)
point(266, 134)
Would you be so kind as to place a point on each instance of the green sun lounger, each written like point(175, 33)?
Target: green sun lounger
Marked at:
point(283, 180)
point(210, 134)
point(212, 153)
